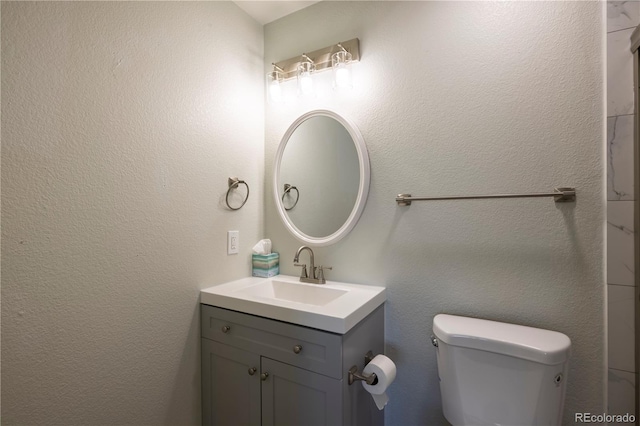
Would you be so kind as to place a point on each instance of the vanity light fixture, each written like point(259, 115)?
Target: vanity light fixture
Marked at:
point(274, 85)
point(337, 57)
point(341, 66)
point(306, 68)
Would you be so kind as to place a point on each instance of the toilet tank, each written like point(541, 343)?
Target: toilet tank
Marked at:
point(494, 373)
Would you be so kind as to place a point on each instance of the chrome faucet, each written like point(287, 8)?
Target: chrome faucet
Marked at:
point(317, 273)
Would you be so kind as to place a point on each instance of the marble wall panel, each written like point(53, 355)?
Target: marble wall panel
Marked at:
point(619, 73)
point(621, 327)
point(620, 242)
point(622, 15)
point(620, 158)
point(622, 388)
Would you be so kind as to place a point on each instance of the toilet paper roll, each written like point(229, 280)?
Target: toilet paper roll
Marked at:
point(385, 371)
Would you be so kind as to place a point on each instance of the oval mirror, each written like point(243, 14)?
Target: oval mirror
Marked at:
point(321, 177)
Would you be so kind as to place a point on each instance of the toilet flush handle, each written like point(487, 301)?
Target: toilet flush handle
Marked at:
point(434, 341)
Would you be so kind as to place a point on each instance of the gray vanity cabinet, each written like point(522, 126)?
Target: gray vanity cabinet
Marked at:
point(300, 375)
point(293, 396)
point(233, 385)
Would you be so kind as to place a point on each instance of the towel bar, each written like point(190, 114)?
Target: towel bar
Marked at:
point(560, 195)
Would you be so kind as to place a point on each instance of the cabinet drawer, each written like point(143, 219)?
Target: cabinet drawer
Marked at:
point(317, 351)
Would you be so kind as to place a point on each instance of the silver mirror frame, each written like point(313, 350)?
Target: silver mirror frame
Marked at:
point(363, 187)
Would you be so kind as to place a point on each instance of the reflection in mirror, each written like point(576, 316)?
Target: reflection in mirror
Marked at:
point(321, 177)
point(322, 162)
point(288, 194)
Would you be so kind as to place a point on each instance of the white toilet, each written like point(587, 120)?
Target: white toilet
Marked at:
point(493, 373)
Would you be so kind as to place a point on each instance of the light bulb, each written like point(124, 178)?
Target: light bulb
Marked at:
point(275, 91)
point(306, 83)
point(342, 77)
point(306, 68)
point(341, 65)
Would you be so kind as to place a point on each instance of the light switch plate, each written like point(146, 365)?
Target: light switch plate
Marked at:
point(233, 242)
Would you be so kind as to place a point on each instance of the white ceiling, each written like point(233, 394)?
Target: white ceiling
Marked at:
point(265, 11)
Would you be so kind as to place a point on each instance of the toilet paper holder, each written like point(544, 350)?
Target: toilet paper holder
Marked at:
point(354, 374)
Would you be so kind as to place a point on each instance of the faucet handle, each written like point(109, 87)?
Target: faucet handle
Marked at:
point(321, 273)
point(303, 273)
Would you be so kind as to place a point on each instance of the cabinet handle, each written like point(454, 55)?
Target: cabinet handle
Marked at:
point(297, 349)
point(264, 376)
point(226, 329)
point(252, 371)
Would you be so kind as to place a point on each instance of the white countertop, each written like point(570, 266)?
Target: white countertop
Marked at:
point(334, 306)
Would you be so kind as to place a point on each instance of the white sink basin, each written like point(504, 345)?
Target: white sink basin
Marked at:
point(293, 292)
point(333, 306)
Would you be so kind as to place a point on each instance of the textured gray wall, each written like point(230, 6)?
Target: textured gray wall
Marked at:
point(121, 122)
point(467, 98)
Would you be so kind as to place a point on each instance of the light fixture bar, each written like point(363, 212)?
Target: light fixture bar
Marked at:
point(321, 58)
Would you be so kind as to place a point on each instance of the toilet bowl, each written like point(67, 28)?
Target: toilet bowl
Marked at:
point(494, 373)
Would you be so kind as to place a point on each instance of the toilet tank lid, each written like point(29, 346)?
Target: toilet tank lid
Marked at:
point(533, 344)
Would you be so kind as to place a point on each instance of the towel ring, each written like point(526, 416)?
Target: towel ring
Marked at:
point(287, 190)
point(233, 184)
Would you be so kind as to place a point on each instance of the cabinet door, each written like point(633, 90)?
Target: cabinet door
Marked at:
point(292, 396)
point(230, 385)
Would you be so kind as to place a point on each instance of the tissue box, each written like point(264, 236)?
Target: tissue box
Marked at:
point(265, 265)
